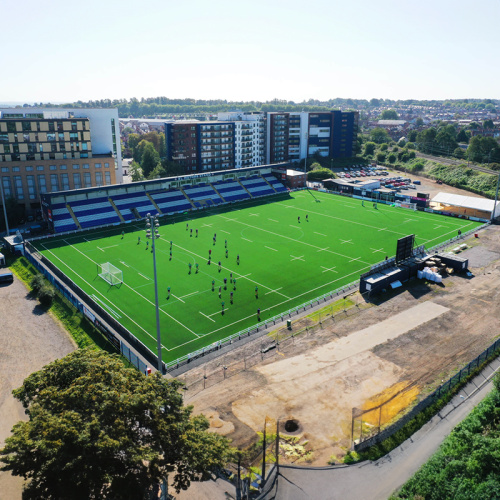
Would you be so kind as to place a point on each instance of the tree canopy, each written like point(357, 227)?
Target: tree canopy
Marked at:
point(379, 135)
point(99, 430)
point(389, 114)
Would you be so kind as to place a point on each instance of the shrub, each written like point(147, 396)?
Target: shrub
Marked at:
point(383, 147)
point(37, 282)
point(46, 295)
point(392, 158)
point(380, 157)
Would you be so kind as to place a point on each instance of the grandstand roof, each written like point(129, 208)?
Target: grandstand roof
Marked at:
point(458, 200)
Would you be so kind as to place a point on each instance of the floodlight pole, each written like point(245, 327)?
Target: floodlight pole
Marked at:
point(5, 208)
point(152, 222)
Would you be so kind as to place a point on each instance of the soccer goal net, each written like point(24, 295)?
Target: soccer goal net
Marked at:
point(110, 273)
point(411, 206)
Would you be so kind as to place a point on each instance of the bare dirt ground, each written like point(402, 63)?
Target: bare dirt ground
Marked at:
point(321, 376)
point(29, 339)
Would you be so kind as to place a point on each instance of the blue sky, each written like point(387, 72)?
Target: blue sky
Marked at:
point(249, 49)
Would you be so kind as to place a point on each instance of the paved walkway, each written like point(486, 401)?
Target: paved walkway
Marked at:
point(378, 480)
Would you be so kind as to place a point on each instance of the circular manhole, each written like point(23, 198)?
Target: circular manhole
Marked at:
point(291, 426)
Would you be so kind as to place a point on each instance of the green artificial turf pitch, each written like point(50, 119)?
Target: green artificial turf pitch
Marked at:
point(290, 262)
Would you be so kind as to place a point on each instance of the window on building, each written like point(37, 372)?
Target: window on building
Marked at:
point(60, 136)
point(74, 126)
point(86, 180)
point(29, 169)
point(42, 184)
point(39, 167)
point(30, 179)
point(65, 181)
point(76, 167)
point(4, 137)
point(26, 126)
point(51, 127)
point(107, 178)
point(53, 167)
point(86, 165)
point(106, 165)
point(73, 136)
point(7, 190)
point(18, 184)
point(77, 180)
point(63, 167)
point(54, 182)
point(11, 126)
point(5, 169)
point(98, 179)
point(98, 165)
point(15, 169)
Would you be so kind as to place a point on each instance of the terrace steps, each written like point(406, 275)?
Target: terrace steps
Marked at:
point(187, 197)
point(217, 191)
point(249, 193)
point(270, 185)
point(154, 204)
point(73, 216)
point(112, 203)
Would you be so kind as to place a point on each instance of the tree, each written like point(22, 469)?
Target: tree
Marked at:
point(318, 173)
point(379, 135)
point(149, 158)
point(426, 140)
point(97, 429)
point(380, 157)
point(392, 158)
point(136, 172)
point(419, 122)
point(370, 148)
point(488, 124)
point(459, 153)
point(463, 136)
point(389, 114)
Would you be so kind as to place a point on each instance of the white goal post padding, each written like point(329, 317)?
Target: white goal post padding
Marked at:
point(110, 273)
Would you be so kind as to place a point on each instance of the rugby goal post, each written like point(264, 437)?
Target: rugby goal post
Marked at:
point(110, 273)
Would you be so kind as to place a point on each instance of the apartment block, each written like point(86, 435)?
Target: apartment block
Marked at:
point(47, 150)
point(201, 146)
point(277, 137)
point(249, 137)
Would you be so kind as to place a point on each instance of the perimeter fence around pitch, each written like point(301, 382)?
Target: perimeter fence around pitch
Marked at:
point(377, 434)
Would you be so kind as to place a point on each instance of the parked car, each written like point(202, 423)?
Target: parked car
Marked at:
point(417, 182)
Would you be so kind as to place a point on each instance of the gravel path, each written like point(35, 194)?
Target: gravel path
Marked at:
point(29, 339)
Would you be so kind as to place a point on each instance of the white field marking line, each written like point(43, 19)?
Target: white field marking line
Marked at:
point(222, 231)
point(294, 240)
point(206, 225)
point(192, 293)
point(126, 265)
point(111, 310)
point(208, 317)
point(96, 247)
point(375, 251)
point(296, 258)
point(355, 258)
point(253, 215)
point(110, 246)
point(321, 234)
point(296, 227)
point(215, 313)
point(323, 249)
point(437, 227)
point(384, 229)
point(449, 232)
point(145, 284)
point(341, 219)
point(274, 249)
point(346, 241)
point(274, 220)
point(408, 220)
point(273, 291)
point(246, 239)
point(97, 291)
point(329, 269)
point(178, 298)
point(275, 305)
point(145, 277)
point(135, 291)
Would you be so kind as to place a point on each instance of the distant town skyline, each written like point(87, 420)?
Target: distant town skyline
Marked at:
point(258, 51)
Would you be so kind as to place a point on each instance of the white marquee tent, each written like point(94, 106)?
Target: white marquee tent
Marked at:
point(470, 202)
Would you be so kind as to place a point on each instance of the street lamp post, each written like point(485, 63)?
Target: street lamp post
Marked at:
point(152, 232)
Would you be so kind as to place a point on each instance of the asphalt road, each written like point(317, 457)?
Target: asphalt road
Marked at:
point(378, 480)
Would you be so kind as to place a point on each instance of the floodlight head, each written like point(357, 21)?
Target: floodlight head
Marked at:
point(148, 225)
point(157, 225)
point(148, 215)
